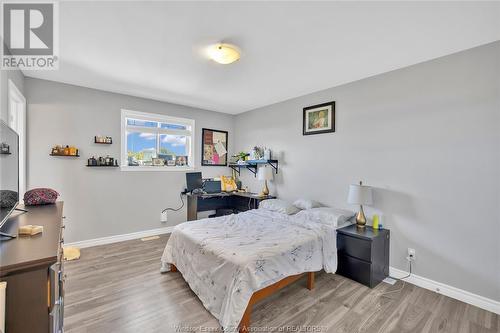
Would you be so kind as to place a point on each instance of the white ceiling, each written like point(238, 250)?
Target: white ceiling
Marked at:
point(155, 49)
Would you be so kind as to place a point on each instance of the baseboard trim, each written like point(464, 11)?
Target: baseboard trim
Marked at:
point(120, 238)
point(447, 290)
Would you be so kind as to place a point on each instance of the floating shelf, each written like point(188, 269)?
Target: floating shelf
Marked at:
point(62, 155)
point(103, 143)
point(252, 166)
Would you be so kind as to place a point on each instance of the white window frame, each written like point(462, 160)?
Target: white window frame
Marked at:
point(157, 118)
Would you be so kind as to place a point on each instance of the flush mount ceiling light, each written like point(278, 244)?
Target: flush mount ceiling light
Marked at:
point(223, 53)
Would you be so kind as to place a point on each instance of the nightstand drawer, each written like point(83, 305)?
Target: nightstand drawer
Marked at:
point(355, 247)
point(355, 269)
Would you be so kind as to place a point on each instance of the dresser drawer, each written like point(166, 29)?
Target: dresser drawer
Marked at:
point(355, 269)
point(355, 247)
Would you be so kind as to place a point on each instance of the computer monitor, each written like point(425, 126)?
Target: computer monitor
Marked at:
point(212, 186)
point(193, 181)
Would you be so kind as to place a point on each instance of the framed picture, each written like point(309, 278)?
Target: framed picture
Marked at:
point(181, 160)
point(171, 162)
point(319, 119)
point(214, 147)
point(158, 161)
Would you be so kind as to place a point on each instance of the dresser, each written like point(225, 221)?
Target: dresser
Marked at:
point(34, 272)
point(363, 254)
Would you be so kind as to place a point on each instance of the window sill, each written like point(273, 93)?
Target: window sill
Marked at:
point(155, 168)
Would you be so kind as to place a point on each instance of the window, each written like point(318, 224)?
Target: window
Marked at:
point(156, 142)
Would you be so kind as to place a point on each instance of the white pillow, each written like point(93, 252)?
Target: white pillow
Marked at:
point(280, 206)
point(327, 215)
point(306, 203)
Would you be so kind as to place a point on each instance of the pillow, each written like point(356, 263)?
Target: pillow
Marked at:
point(228, 184)
point(280, 206)
point(328, 215)
point(306, 204)
point(40, 196)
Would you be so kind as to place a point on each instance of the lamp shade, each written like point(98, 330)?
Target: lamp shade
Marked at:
point(360, 195)
point(265, 173)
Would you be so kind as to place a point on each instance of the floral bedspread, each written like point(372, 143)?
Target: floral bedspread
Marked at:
point(226, 259)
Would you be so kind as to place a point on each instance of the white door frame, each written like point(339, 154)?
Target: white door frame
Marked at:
point(17, 121)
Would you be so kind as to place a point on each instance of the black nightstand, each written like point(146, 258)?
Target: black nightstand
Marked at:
point(363, 254)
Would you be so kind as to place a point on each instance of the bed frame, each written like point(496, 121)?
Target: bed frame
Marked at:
point(267, 291)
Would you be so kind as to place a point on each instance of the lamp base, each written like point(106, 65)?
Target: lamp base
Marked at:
point(265, 190)
point(360, 218)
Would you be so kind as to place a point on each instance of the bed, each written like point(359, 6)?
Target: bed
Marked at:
point(231, 262)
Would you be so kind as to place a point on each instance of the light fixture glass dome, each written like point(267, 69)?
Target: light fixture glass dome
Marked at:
point(224, 53)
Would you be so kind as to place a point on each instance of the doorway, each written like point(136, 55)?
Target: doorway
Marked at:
point(17, 121)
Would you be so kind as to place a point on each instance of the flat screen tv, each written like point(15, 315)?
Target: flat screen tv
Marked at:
point(9, 172)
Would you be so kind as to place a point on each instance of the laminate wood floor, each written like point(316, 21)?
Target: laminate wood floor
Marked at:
point(118, 288)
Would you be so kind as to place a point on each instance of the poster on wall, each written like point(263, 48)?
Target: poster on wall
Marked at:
point(319, 119)
point(214, 147)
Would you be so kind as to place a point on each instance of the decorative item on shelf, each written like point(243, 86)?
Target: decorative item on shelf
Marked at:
point(4, 148)
point(360, 195)
point(103, 139)
point(257, 153)
point(170, 162)
point(181, 160)
point(239, 158)
point(67, 150)
point(214, 147)
point(265, 173)
point(267, 154)
point(158, 161)
point(319, 119)
point(102, 161)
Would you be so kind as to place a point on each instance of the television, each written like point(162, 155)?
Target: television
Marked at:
point(9, 172)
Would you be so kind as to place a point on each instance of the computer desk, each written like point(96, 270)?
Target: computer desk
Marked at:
point(237, 201)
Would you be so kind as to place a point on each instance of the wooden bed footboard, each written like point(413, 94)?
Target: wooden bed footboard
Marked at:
point(269, 290)
point(263, 293)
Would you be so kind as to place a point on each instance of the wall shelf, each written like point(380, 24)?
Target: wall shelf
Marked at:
point(103, 142)
point(62, 155)
point(102, 166)
point(253, 165)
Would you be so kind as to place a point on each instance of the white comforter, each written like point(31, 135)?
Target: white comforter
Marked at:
point(226, 259)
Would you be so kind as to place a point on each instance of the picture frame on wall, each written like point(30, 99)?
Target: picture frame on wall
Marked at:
point(318, 119)
point(214, 147)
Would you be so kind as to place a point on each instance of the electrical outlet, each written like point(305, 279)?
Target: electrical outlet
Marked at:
point(163, 217)
point(411, 254)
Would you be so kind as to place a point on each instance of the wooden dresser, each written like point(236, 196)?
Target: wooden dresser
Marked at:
point(33, 269)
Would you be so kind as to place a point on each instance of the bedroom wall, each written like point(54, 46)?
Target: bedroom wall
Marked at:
point(427, 138)
point(102, 202)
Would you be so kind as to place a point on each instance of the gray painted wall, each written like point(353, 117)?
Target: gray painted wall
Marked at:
point(427, 137)
point(104, 202)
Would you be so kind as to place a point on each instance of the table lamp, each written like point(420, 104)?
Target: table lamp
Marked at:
point(360, 195)
point(265, 173)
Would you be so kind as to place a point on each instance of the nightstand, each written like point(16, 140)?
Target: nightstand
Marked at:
point(363, 254)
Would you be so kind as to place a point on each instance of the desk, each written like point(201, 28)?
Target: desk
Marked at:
point(237, 201)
